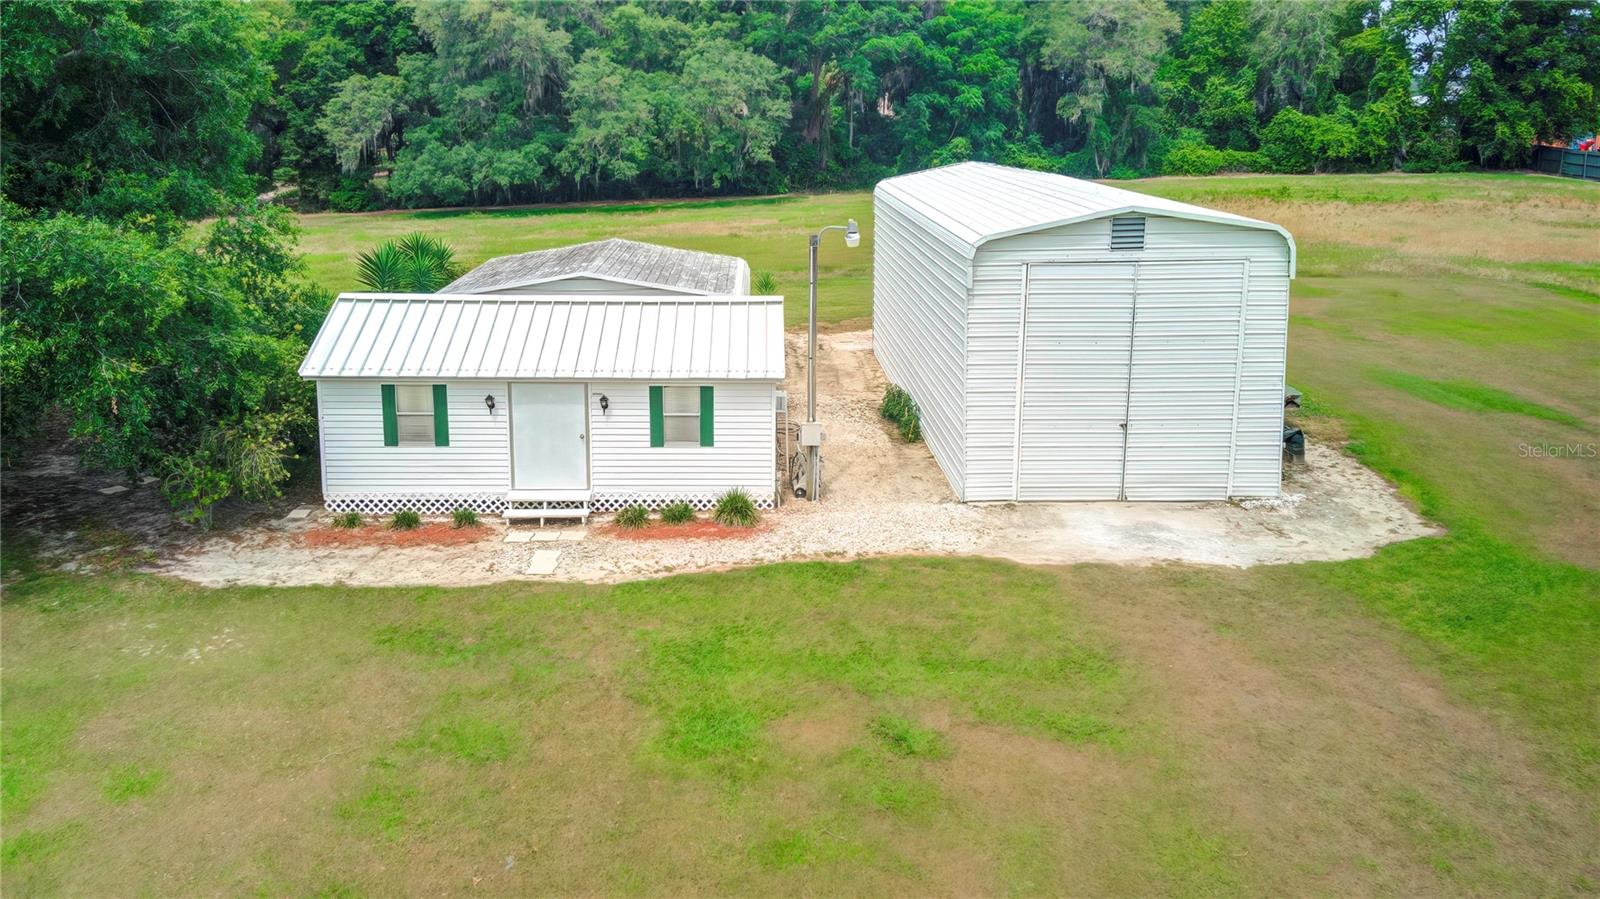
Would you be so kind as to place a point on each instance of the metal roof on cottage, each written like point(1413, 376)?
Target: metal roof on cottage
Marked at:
point(624, 261)
point(386, 335)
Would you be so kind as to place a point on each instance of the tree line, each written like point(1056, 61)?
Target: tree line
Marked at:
point(419, 103)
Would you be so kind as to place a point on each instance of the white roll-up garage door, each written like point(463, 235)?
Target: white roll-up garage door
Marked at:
point(1128, 381)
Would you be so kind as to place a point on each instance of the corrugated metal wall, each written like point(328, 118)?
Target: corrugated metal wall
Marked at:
point(992, 352)
point(919, 321)
point(1075, 380)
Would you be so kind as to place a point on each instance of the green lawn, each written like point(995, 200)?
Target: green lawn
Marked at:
point(1422, 722)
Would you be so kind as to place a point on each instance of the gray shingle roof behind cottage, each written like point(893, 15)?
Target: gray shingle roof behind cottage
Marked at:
point(627, 260)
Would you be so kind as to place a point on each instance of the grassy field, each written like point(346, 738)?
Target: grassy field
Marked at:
point(1422, 722)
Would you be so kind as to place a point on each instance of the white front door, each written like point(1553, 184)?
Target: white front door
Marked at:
point(549, 437)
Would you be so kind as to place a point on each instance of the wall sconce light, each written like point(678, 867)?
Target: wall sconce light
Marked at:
point(605, 403)
point(489, 401)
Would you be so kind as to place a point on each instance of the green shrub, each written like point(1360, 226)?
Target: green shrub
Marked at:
point(1200, 159)
point(737, 509)
point(899, 408)
point(347, 520)
point(464, 518)
point(1295, 143)
point(405, 520)
point(678, 513)
point(764, 284)
point(633, 517)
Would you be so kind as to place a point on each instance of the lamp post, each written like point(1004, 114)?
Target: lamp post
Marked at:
point(811, 437)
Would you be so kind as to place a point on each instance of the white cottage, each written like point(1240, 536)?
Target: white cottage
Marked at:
point(553, 384)
point(1066, 340)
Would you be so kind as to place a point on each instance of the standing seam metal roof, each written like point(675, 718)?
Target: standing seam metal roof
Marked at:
point(377, 335)
point(630, 261)
point(976, 202)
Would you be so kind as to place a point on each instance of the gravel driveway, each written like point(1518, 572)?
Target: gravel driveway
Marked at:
point(881, 497)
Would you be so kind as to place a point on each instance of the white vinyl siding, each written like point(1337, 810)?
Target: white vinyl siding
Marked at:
point(354, 459)
point(919, 320)
point(478, 459)
point(744, 454)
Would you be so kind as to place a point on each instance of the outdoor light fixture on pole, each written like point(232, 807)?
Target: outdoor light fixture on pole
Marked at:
point(811, 432)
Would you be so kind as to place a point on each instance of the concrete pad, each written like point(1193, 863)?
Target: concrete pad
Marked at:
point(299, 515)
point(519, 536)
point(544, 562)
point(113, 491)
point(545, 536)
point(573, 535)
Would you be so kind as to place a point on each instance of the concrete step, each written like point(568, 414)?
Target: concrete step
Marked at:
point(547, 496)
point(524, 514)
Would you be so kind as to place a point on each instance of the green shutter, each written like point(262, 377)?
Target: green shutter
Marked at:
point(658, 428)
point(441, 416)
point(391, 424)
point(705, 416)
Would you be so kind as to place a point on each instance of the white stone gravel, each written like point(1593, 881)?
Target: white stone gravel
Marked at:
point(881, 497)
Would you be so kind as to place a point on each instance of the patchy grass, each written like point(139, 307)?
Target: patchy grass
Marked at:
point(1417, 723)
point(1473, 397)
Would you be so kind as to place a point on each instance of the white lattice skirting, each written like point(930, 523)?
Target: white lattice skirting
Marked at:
point(421, 503)
point(611, 502)
point(495, 503)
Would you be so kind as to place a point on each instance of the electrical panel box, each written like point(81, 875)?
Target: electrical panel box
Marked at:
point(811, 433)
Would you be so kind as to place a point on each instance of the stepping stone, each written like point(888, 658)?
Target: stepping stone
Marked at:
point(545, 536)
point(519, 536)
point(572, 535)
point(147, 479)
point(544, 561)
point(299, 515)
point(113, 491)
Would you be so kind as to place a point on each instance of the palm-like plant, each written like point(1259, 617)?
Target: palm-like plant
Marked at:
point(416, 263)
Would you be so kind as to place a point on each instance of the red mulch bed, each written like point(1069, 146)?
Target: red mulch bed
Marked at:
point(436, 534)
point(693, 530)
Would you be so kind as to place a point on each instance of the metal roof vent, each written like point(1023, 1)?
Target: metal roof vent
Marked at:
point(1127, 232)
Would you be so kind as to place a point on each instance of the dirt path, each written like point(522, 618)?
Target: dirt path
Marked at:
point(881, 497)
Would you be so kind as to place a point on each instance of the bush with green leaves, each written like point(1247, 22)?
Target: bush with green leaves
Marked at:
point(405, 520)
point(347, 520)
point(635, 516)
point(188, 366)
point(899, 408)
point(677, 513)
point(736, 509)
point(464, 518)
point(416, 263)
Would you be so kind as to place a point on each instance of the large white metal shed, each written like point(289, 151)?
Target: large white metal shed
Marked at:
point(1066, 340)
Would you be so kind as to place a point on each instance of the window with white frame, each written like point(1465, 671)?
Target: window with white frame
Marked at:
point(413, 412)
point(680, 415)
